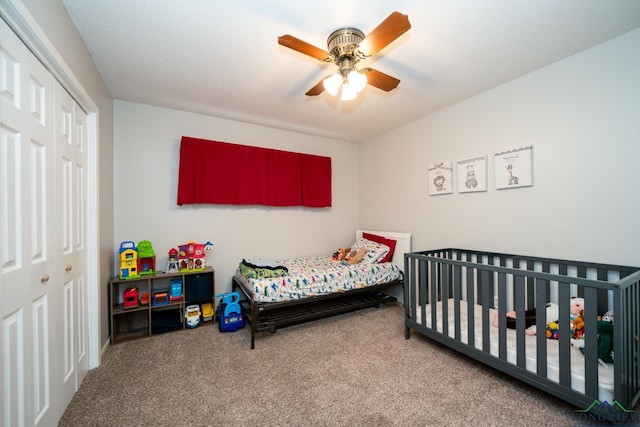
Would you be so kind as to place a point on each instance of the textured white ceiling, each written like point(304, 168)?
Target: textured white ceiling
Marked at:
point(221, 58)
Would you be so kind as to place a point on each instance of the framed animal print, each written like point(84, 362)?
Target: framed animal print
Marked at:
point(472, 174)
point(440, 178)
point(514, 168)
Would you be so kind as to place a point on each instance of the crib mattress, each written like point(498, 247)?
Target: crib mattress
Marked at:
point(314, 276)
point(605, 373)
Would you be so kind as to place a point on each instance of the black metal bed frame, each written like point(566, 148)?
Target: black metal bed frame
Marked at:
point(271, 316)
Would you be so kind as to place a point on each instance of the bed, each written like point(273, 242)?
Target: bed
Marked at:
point(461, 298)
point(311, 288)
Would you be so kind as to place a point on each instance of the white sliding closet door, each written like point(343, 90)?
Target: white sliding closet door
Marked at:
point(43, 334)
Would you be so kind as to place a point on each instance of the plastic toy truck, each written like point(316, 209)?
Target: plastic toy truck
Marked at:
point(192, 316)
point(229, 313)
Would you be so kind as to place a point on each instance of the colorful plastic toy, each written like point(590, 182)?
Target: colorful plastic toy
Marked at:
point(146, 258)
point(207, 312)
point(128, 260)
point(161, 298)
point(229, 313)
point(130, 298)
point(176, 289)
point(192, 315)
point(173, 266)
point(144, 298)
point(189, 257)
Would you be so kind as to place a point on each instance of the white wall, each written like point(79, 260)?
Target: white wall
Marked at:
point(147, 142)
point(582, 116)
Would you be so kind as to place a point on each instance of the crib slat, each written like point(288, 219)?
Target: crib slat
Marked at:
point(435, 283)
point(502, 316)
point(621, 332)
point(591, 343)
point(564, 344)
point(471, 338)
point(446, 285)
point(486, 303)
point(422, 289)
point(541, 319)
point(456, 300)
point(519, 293)
point(530, 288)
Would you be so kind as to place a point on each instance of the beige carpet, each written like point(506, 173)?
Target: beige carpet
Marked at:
point(355, 369)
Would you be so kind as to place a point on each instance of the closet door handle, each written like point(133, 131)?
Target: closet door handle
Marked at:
point(44, 278)
point(68, 268)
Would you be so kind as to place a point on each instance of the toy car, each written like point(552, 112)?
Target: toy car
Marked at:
point(229, 312)
point(192, 316)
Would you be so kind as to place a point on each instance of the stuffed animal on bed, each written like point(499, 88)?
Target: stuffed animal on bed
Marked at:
point(340, 254)
point(354, 256)
point(349, 256)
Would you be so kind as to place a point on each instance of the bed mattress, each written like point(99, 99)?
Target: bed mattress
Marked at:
point(314, 276)
point(605, 371)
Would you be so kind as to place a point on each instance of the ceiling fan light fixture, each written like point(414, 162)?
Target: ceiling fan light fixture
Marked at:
point(348, 92)
point(357, 80)
point(346, 47)
point(332, 83)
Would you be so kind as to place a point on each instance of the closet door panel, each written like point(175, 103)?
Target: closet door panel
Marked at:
point(27, 258)
point(81, 134)
point(71, 140)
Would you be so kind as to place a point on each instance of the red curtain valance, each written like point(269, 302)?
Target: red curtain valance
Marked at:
point(222, 173)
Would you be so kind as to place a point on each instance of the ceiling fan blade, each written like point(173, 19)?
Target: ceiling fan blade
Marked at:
point(317, 89)
point(380, 80)
point(304, 47)
point(390, 29)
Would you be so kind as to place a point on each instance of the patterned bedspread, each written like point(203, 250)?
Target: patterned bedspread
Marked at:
point(314, 276)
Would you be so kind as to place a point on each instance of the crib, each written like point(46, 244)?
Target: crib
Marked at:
point(460, 298)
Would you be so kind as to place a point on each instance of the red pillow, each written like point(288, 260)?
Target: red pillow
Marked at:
point(384, 241)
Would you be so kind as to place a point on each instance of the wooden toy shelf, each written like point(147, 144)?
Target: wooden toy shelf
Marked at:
point(139, 321)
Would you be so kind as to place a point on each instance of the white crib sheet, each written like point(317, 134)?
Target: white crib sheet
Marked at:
point(605, 374)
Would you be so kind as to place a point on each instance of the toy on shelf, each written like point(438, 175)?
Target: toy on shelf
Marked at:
point(192, 315)
point(130, 298)
point(176, 289)
point(173, 266)
point(189, 257)
point(229, 313)
point(144, 298)
point(146, 258)
point(161, 298)
point(128, 260)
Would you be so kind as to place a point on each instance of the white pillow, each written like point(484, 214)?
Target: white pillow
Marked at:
point(375, 251)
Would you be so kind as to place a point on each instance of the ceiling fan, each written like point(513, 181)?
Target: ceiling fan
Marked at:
point(346, 47)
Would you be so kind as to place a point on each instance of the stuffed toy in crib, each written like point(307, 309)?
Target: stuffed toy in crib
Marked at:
point(605, 341)
point(576, 326)
point(576, 305)
point(529, 318)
